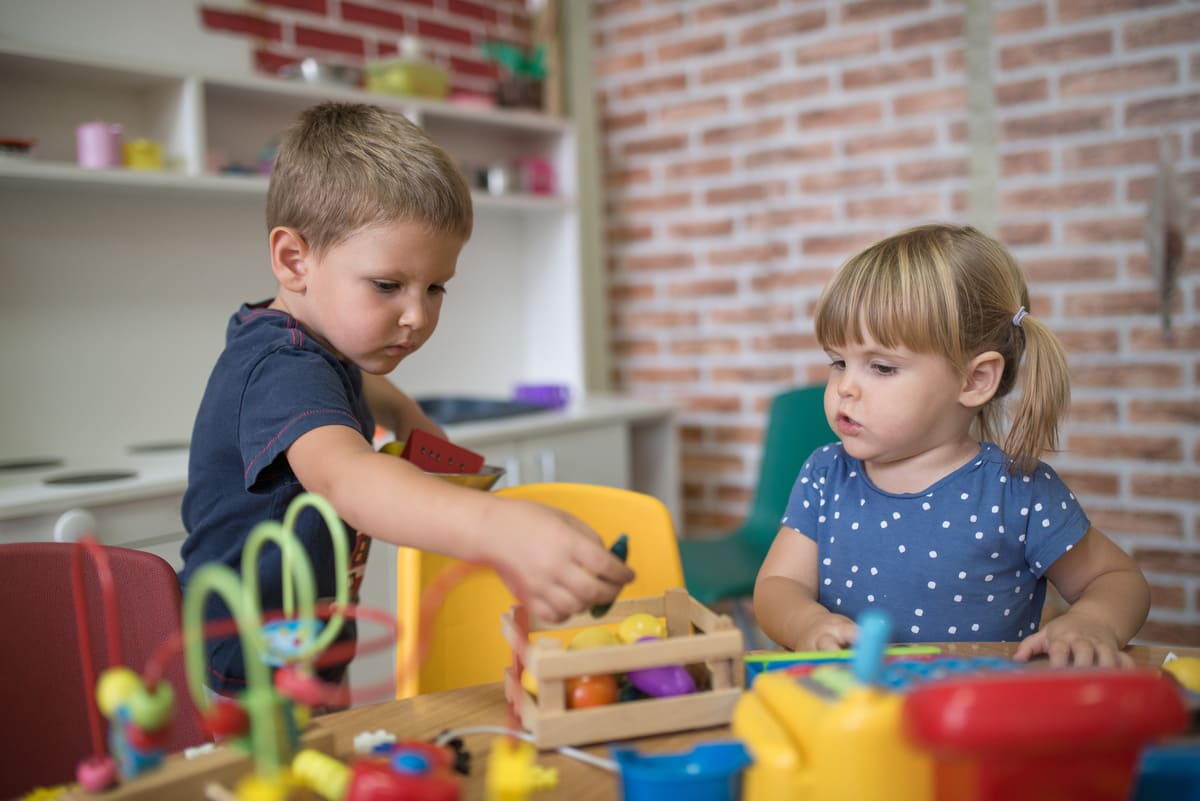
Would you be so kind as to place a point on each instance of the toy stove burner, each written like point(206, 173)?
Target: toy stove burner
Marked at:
point(90, 477)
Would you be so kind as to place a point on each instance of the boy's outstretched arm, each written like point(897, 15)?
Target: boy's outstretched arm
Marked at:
point(560, 562)
point(394, 410)
point(1109, 600)
point(785, 598)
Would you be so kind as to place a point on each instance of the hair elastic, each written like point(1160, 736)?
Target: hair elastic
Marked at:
point(1019, 316)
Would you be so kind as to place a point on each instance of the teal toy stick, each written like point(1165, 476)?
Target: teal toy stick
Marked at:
point(874, 629)
point(620, 549)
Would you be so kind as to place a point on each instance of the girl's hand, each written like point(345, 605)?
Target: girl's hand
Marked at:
point(826, 632)
point(559, 562)
point(1074, 639)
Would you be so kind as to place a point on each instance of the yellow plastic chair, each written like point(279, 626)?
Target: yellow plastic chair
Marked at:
point(466, 646)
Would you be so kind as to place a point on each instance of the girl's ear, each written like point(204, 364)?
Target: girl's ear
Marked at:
point(289, 252)
point(982, 379)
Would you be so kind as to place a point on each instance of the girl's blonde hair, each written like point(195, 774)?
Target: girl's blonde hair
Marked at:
point(955, 292)
point(343, 167)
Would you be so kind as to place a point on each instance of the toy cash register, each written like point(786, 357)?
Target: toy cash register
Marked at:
point(979, 729)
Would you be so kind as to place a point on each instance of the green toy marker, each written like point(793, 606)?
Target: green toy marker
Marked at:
point(620, 549)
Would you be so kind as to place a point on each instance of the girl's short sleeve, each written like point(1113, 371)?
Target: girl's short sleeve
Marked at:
point(1054, 519)
point(806, 502)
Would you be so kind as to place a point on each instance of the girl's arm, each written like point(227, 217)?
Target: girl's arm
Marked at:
point(1109, 600)
point(394, 410)
point(785, 598)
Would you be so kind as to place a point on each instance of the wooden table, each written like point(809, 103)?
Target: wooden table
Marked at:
point(425, 716)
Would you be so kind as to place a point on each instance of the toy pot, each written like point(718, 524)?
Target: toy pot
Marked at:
point(98, 145)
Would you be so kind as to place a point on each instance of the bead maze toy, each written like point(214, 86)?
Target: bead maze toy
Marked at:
point(693, 636)
point(937, 729)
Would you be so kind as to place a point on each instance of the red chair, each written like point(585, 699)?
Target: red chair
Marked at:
point(45, 729)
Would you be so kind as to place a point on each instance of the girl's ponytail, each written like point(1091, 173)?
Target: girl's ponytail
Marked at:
point(1045, 394)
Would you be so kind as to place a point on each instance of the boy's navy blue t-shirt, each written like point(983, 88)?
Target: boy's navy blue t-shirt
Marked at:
point(273, 383)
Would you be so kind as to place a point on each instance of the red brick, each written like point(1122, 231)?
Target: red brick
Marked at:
point(670, 143)
point(651, 320)
point(1019, 20)
point(695, 110)
point(791, 279)
point(270, 63)
point(753, 375)
point(1085, 410)
point(369, 15)
point(692, 48)
point(790, 154)
point(1167, 596)
point(444, 32)
point(934, 100)
point(1017, 234)
point(887, 74)
point(1046, 52)
point(718, 165)
point(870, 113)
point(719, 12)
point(789, 26)
point(930, 32)
point(1124, 229)
point(1032, 162)
point(329, 40)
point(745, 193)
point(752, 435)
point(753, 314)
point(648, 28)
point(1058, 123)
point(649, 87)
point(871, 10)
point(1170, 633)
point(741, 70)
point(909, 206)
point(841, 49)
point(465, 8)
point(702, 289)
point(1082, 483)
point(1167, 485)
point(786, 343)
point(713, 403)
point(627, 177)
point(931, 170)
point(252, 25)
point(1173, 412)
point(652, 203)
point(1175, 561)
point(658, 261)
point(1183, 337)
point(710, 346)
point(1103, 341)
point(1164, 110)
point(789, 218)
point(856, 178)
point(891, 141)
point(618, 63)
point(842, 245)
point(1059, 197)
point(311, 6)
point(786, 91)
point(660, 375)
point(1163, 30)
point(1075, 10)
point(631, 232)
point(748, 254)
point(1119, 303)
point(712, 463)
point(1069, 268)
point(1114, 446)
point(628, 119)
point(1111, 154)
point(1033, 90)
point(1119, 79)
point(692, 229)
point(1127, 522)
point(1166, 376)
point(753, 131)
point(632, 292)
point(636, 347)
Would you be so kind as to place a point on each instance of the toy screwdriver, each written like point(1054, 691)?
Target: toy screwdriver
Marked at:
point(619, 549)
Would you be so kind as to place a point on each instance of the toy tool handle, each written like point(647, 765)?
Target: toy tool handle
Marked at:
point(619, 549)
point(874, 629)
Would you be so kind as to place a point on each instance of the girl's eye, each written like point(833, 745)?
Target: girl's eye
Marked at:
point(884, 369)
point(385, 286)
point(837, 364)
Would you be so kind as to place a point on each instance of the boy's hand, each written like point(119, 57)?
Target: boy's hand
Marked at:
point(826, 632)
point(1074, 639)
point(559, 561)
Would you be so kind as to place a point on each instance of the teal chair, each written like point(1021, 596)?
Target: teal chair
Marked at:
point(725, 567)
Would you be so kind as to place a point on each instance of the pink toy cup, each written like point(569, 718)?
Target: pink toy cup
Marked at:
point(98, 145)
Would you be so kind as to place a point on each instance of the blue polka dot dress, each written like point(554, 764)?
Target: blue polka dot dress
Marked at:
point(962, 560)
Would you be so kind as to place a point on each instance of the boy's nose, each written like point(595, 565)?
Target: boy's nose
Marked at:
point(412, 316)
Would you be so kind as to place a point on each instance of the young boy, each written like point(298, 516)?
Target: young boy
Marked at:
point(366, 218)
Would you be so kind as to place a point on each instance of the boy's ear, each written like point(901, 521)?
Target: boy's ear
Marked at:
point(289, 254)
point(982, 379)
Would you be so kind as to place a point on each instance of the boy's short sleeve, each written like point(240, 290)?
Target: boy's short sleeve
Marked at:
point(288, 394)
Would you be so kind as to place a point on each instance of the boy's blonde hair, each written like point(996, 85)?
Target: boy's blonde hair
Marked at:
point(343, 167)
point(953, 291)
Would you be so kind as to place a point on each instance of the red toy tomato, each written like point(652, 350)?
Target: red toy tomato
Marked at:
point(588, 691)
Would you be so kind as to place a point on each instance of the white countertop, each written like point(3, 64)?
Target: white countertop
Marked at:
point(24, 493)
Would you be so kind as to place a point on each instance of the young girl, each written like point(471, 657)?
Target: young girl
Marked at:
point(916, 510)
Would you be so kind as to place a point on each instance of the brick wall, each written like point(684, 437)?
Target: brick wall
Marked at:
point(450, 31)
point(751, 146)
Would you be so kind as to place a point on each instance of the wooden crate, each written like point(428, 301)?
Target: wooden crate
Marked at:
point(696, 636)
